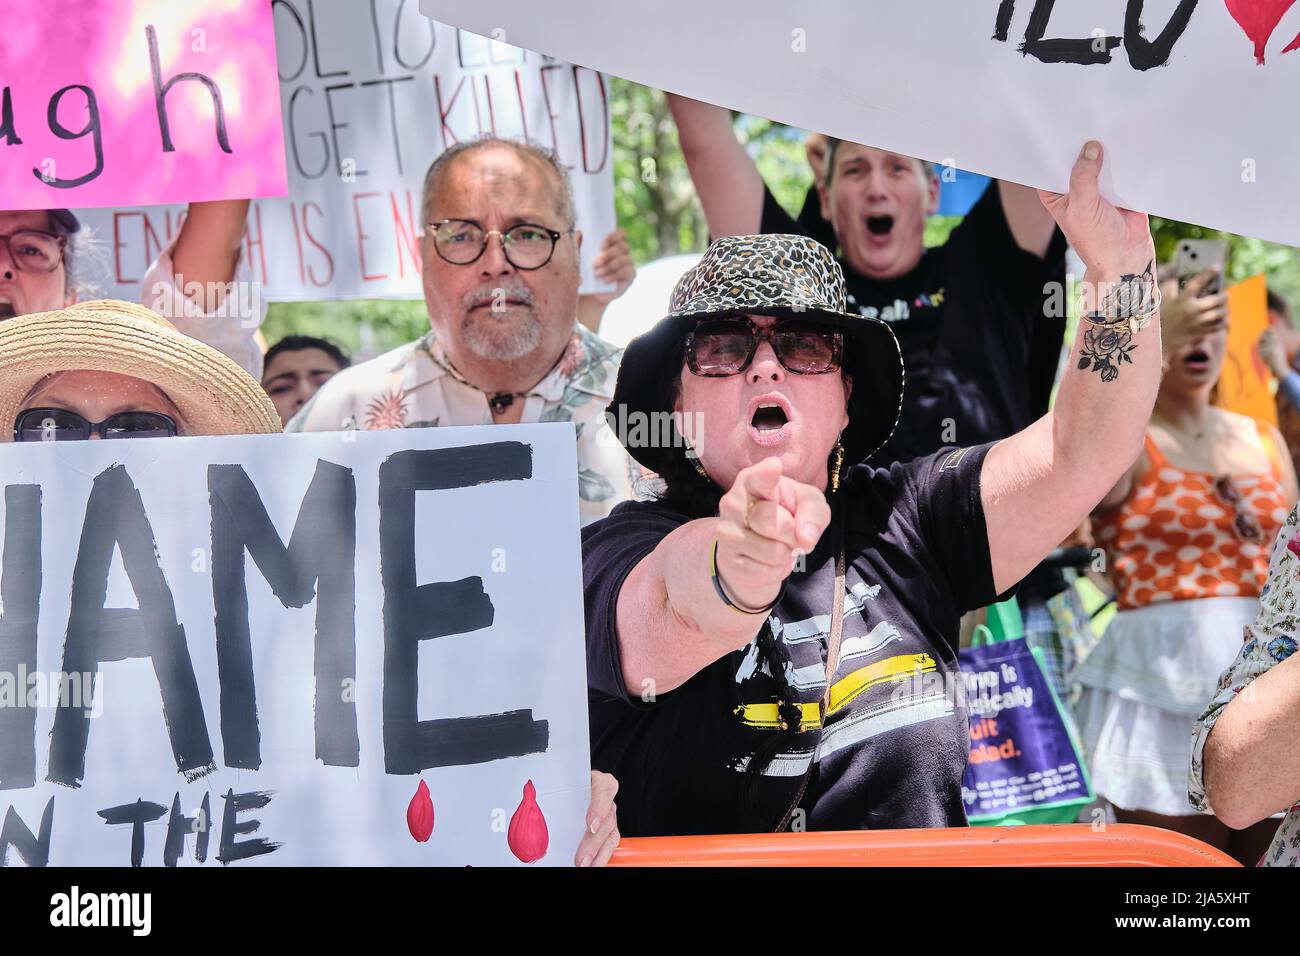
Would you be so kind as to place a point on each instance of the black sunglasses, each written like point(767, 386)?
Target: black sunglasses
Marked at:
point(720, 347)
point(59, 424)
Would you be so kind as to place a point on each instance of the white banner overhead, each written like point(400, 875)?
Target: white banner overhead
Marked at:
point(360, 648)
point(1189, 96)
point(370, 94)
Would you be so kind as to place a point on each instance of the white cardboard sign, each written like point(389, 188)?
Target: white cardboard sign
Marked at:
point(1189, 96)
point(371, 92)
point(289, 635)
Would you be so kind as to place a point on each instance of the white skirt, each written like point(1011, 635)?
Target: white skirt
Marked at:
point(1142, 688)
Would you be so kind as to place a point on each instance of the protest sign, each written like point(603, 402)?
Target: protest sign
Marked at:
point(351, 648)
point(115, 102)
point(1245, 384)
point(372, 93)
point(1184, 93)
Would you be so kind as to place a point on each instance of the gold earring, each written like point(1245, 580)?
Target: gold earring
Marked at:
point(694, 459)
point(839, 463)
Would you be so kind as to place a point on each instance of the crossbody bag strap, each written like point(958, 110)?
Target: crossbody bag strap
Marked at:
point(837, 632)
point(832, 662)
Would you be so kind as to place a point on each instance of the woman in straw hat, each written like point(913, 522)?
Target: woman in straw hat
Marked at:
point(773, 642)
point(109, 369)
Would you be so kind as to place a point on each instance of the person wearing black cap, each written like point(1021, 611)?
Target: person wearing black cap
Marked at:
point(188, 284)
point(772, 643)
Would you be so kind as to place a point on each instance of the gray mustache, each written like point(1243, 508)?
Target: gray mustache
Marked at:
point(488, 294)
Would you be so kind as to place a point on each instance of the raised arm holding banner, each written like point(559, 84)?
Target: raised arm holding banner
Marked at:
point(1012, 89)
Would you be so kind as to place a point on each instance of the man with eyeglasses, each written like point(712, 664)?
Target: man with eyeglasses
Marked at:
point(500, 263)
point(38, 273)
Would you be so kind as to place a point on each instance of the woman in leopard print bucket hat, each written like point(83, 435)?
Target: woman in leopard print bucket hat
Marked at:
point(773, 641)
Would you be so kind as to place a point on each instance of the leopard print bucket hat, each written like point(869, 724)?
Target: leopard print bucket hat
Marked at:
point(777, 275)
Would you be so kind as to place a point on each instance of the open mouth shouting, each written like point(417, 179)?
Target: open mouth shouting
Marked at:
point(770, 418)
point(880, 228)
point(7, 309)
point(1197, 361)
point(880, 225)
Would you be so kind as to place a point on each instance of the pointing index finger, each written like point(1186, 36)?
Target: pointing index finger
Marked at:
point(763, 480)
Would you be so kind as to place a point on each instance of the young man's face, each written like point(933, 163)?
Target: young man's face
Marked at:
point(293, 377)
point(878, 202)
point(23, 291)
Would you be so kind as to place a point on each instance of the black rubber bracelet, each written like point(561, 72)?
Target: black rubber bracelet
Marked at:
point(722, 594)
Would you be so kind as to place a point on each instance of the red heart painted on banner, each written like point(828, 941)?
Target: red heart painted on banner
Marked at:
point(1259, 18)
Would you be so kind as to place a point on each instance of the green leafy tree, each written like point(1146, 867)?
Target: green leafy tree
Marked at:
point(654, 198)
point(363, 328)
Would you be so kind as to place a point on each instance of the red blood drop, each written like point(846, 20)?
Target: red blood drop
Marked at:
point(419, 814)
point(1259, 18)
point(527, 836)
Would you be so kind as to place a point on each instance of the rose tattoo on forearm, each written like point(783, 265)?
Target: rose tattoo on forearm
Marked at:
point(1126, 309)
point(1106, 350)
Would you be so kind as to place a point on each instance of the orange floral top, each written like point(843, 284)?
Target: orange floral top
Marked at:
point(1185, 534)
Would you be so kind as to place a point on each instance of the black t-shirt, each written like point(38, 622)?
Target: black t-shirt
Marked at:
point(981, 338)
point(894, 748)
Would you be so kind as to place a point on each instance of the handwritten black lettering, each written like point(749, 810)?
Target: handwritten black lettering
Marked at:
point(91, 129)
point(20, 600)
point(161, 90)
point(414, 613)
point(115, 516)
point(34, 849)
point(322, 550)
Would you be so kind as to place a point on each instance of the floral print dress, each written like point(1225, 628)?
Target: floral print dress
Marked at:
point(415, 386)
point(1269, 641)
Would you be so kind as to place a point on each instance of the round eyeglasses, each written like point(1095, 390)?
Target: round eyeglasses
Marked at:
point(462, 242)
point(33, 251)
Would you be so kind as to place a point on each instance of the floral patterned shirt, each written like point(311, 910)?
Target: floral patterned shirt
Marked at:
point(414, 386)
point(1270, 640)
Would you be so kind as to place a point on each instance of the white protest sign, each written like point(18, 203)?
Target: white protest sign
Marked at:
point(303, 649)
point(370, 94)
point(1189, 96)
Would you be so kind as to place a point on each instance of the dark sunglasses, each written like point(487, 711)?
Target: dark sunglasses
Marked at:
point(59, 424)
point(720, 347)
point(1244, 523)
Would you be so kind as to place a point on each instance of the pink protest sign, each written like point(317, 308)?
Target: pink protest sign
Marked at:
point(112, 102)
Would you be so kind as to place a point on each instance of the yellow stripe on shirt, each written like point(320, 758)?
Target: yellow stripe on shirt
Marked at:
point(846, 689)
point(766, 715)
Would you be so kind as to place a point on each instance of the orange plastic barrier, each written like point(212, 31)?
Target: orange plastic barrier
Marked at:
point(1058, 845)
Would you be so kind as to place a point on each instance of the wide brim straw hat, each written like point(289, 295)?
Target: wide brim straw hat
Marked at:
point(785, 276)
point(213, 394)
